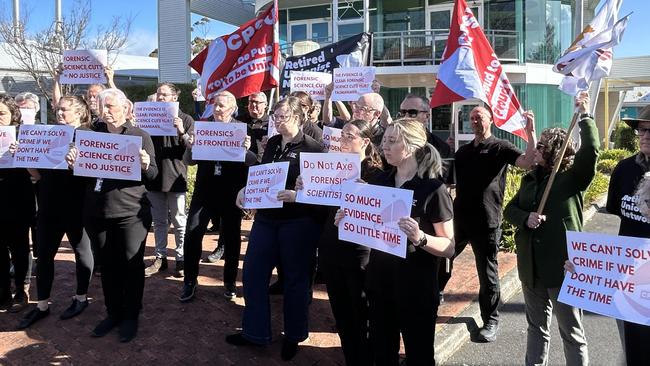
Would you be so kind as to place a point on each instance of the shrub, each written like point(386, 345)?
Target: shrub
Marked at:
point(615, 154)
point(606, 166)
point(598, 186)
point(513, 181)
point(624, 137)
point(191, 179)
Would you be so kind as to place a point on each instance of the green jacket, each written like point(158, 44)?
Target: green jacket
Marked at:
point(541, 252)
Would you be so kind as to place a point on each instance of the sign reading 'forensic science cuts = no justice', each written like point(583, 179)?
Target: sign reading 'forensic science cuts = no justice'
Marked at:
point(371, 216)
point(107, 155)
point(323, 174)
point(43, 146)
point(219, 141)
point(157, 118)
point(263, 184)
point(84, 67)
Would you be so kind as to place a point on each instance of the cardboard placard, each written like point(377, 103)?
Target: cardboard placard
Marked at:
point(84, 67)
point(263, 184)
point(108, 155)
point(332, 139)
point(352, 82)
point(323, 175)
point(43, 146)
point(157, 118)
point(219, 141)
point(7, 137)
point(27, 116)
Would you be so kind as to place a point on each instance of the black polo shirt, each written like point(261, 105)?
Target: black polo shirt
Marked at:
point(392, 275)
point(312, 130)
point(291, 152)
point(481, 180)
point(257, 129)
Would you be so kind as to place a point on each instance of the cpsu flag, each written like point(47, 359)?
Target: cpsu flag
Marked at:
point(243, 62)
point(590, 56)
point(471, 69)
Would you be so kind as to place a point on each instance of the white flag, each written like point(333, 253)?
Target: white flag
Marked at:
point(590, 56)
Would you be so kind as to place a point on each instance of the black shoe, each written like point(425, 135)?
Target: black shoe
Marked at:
point(19, 302)
point(158, 264)
point(97, 271)
point(5, 299)
point(488, 333)
point(77, 307)
point(238, 339)
point(215, 255)
point(32, 317)
point(179, 271)
point(105, 326)
point(277, 288)
point(230, 291)
point(128, 330)
point(188, 291)
point(289, 350)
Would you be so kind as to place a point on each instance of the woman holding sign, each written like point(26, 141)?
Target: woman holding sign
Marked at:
point(117, 217)
point(343, 263)
point(281, 236)
point(15, 219)
point(60, 211)
point(402, 293)
point(541, 239)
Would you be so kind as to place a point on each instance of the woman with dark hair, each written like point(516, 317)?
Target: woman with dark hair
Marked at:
point(284, 236)
point(14, 223)
point(307, 105)
point(60, 211)
point(403, 292)
point(117, 218)
point(541, 238)
point(342, 263)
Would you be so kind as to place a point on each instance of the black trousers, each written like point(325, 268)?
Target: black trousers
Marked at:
point(485, 243)
point(14, 239)
point(229, 217)
point(345, 289)
point(637, 342)
point(121, 243)
point(50, 233)
point(413, 315)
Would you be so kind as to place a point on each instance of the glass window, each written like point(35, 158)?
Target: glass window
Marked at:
point(298, 32)
point(347, 30)
point(283, 24)
point(320, 32)
point(350, 10)
point(438, 2)
point(310, 12)
point(548, 29)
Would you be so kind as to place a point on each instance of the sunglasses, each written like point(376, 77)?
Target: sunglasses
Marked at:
point(410, 112)
point(641, 131)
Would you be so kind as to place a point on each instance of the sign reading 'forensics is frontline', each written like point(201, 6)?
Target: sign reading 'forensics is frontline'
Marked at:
point(107, 155)
point(84, 67)
point(219, 141)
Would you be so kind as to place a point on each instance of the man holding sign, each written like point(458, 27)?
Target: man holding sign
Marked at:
point(168, 190)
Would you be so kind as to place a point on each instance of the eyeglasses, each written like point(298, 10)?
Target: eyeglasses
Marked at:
point(281, 117)
point(410, 112)
point(640, 131)
point(364, 109)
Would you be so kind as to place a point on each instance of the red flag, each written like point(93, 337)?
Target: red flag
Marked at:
point(243, 62)
point(470, 69)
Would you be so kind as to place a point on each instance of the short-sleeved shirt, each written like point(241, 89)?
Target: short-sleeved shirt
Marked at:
point(481, 181)
point(393, 275)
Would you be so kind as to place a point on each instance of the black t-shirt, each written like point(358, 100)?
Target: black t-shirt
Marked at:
point(312, 130)
point(622, 202)
point(481, 180)
point(275, 153)
point(257, 129)
point(394, 276)
point(121, 198)
point(341, 253)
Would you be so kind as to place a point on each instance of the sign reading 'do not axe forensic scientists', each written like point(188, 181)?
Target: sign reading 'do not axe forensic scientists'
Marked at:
point(84, 67)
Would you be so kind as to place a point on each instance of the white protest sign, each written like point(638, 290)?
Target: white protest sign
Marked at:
point(108, 155)
point(352, 82)
point(7, 137)
point(84, 67)
point(27, 116)
point(612, 276)
point(222, 141)
point(323, 174)
point(271, 130)
point(332, 139)
point(371, 215)
point(264, 182)
point(43, 146)
point(312, 83)
point(157, 118)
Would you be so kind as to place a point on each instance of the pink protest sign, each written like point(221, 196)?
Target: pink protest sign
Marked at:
point(371, 216)
point(332, 139)
point(219, 141)
point(323, 175)
point(43, 146)
point(352, 82)
point(108, 155)
point(263, 184)
point(84, 67)
point(612, 276)
point(157, 118)
point(7, 137)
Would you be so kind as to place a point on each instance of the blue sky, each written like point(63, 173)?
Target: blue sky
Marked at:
point(144, 32)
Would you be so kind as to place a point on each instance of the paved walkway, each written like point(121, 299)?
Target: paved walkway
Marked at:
point(193, 333)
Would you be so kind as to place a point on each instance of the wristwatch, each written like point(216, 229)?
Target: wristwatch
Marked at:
point(422, 242)
point(586, 115)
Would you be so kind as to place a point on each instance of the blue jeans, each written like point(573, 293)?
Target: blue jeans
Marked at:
point(291, 244)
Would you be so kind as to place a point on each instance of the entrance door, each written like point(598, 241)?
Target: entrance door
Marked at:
point(439, 21)
point(461, 123)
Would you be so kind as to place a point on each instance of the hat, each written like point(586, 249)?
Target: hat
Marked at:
point(644, 116)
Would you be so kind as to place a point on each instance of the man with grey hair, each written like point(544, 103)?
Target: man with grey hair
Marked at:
point(27, 100)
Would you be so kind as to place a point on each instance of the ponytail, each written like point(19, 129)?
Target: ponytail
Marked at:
point(429, 162)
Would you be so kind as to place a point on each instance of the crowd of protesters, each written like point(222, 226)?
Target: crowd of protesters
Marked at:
point(375, 297)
